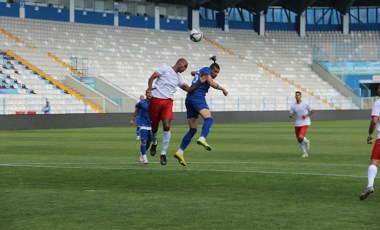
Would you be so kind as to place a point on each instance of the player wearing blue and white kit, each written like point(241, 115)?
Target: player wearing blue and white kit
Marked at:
point(302, 112)
point(138, 120)
point(196, 104)
point(167, 80)
point(142, 110)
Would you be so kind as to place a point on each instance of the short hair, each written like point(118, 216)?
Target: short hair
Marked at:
point(298, 92)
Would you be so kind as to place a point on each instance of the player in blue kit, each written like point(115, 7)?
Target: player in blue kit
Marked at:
point(196, 105)
point(142, 110)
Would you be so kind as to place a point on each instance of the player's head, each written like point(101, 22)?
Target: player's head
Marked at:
point(180, 65)
point(141, 97)
point(298, 96)
point(215, 68)
point(148, 95)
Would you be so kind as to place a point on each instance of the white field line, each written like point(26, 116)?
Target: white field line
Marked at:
point(181, 169)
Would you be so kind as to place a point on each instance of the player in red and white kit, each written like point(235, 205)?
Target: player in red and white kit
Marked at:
point(375, 156)
point(302, 112)
point(161, 104)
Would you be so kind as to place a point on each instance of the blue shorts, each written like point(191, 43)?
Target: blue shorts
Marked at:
point(146, 136)
point(194, 105)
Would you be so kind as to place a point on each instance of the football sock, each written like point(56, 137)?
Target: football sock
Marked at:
point(305, 140)
point(138, 131)
point(165, 141)
point(180, 151)
point(154, 138)
point(143, 149)
point(303, 147)
point(187, 138)
point(372, 171)
point(206, 127)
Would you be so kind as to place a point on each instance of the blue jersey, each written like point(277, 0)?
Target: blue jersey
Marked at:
point(143, 107)
point(203, 89)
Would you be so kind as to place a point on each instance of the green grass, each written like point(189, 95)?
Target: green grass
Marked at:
point(254, 178)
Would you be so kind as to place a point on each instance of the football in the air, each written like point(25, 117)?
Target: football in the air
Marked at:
point(196, 35)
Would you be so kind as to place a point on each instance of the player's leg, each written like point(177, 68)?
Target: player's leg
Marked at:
point(372, 170)
point(144, 140)
point(166, 117)
point(301, 144)
point(154, 113)
point(305, 140)
point(206, 127)
point(193, 122)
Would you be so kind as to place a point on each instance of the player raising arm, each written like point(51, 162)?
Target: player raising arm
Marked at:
point(166, 80)
point(196, 104)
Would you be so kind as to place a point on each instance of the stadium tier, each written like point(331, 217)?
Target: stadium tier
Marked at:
point(260, 72)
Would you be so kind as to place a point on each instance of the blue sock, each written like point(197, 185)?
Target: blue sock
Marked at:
point(143, 148)
point(207, 126)
point(187, 138)
point(138, 131)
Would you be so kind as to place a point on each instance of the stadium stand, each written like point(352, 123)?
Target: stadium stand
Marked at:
point(25, 92)
point(260, 72)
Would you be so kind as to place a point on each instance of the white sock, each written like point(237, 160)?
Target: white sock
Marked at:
point(305, 140)
point(180, 151)
point(372, 171)
point(302, 147)
point(165, 141)
point(154, 138)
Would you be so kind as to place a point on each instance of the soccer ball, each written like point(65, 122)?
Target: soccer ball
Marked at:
point(196, 35)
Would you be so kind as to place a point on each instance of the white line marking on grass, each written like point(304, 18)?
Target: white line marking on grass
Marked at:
point(194, 170)
point(208, 162)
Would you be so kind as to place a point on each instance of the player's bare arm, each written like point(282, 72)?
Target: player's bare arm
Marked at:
point(291, 115)
point(372, 127)
point(154, 76)
point(215, 85)
point(132, 121)
point(308, 114)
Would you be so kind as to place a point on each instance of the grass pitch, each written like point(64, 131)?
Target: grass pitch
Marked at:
point(254, 178)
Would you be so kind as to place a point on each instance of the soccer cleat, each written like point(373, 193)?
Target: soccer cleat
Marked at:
point(366, 193)
point(180, 158)
point(305, 155)
point(163, 160)
point(204, 144)
point(141, 158)
point(153, 150)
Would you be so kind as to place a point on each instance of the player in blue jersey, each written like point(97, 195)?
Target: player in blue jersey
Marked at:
point(142, 109)
point(196, 105)
point(138, 121)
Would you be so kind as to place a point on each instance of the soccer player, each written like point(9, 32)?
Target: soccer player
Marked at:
point(196, 104)
point(142, 110)
point(375, 156)
point(138, 120)
point(161, 104)
point(302, 112)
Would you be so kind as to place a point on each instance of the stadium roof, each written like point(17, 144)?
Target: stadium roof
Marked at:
point(256, 6)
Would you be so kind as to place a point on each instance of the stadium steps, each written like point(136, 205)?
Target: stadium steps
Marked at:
point(273, 73)
point(53, 81)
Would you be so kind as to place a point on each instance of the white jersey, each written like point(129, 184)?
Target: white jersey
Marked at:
point(298, 110)
point(376, 112)
point(166, 84)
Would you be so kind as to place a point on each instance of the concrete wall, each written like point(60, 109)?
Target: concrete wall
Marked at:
point(50, 121)
point(92, 95)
